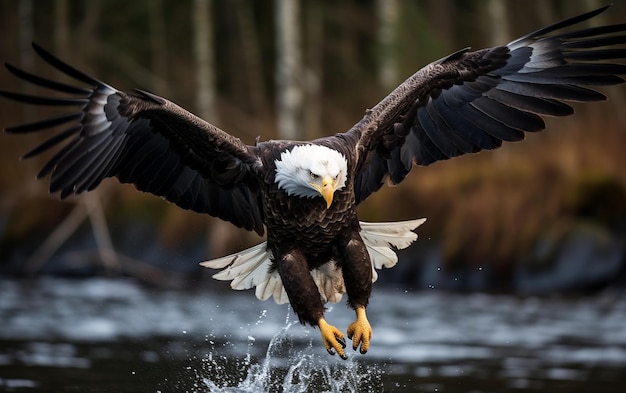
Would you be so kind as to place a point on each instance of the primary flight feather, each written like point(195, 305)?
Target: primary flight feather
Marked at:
point(305, 193)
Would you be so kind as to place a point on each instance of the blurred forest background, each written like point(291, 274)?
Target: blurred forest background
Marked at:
point(542, 215)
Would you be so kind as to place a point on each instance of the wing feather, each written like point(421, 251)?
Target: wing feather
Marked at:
point(145, 140)
point(473, 101)
point(55, 140)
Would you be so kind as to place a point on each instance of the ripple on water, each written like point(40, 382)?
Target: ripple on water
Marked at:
point(235, 339)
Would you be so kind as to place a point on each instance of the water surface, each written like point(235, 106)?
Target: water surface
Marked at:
point(115, 335)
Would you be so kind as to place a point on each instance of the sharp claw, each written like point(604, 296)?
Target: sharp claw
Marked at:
point(360, 332)
point(332, 338)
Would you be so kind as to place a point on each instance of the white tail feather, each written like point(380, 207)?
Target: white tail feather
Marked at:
point(379, 237)
point(251, 267)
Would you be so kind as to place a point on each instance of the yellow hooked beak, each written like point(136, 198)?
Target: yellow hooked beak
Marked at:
point(326, 188)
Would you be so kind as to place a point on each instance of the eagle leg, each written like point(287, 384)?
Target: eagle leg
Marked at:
point(360, 331)
point(306, 301)
point(332, 338)
point(357, 276)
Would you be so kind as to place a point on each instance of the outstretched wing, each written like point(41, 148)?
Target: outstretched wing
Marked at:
point(145, 140)
point(473, 101)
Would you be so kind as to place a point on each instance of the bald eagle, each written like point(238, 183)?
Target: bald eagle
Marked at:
point(305, 193)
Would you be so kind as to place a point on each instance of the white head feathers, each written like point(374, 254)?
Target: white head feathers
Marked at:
point(298, 170)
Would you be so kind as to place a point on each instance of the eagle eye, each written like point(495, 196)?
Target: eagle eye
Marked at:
point(314, 176)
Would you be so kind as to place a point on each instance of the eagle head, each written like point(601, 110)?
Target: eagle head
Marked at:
point(310, 171)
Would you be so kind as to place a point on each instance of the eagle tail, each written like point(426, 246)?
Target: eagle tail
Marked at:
point(251, 267)
point(380, 236)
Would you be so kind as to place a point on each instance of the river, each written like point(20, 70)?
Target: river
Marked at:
point(116, 335)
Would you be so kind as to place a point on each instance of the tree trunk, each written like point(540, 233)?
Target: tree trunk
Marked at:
point(288, 70)
point(219, 232)
point(158, 48)
point(61, 29)
point(251, 55)
point(388, 15)
point(203, 55)
point(442, 17)
point(312, 111)
point(86, 32)
point(498, 33)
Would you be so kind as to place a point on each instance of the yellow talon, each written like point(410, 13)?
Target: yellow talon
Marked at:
point(332, 338)
point(360, 331)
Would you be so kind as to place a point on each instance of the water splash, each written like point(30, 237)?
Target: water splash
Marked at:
point(289, 368)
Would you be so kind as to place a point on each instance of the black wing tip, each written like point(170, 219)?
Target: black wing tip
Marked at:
point(586, 16)
point(14, 70)
point(44, 54)
point(600, 10)
point(10, 67)
point(41, 51)
point(37, 47)
point(66, 68)
point(563, 24)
